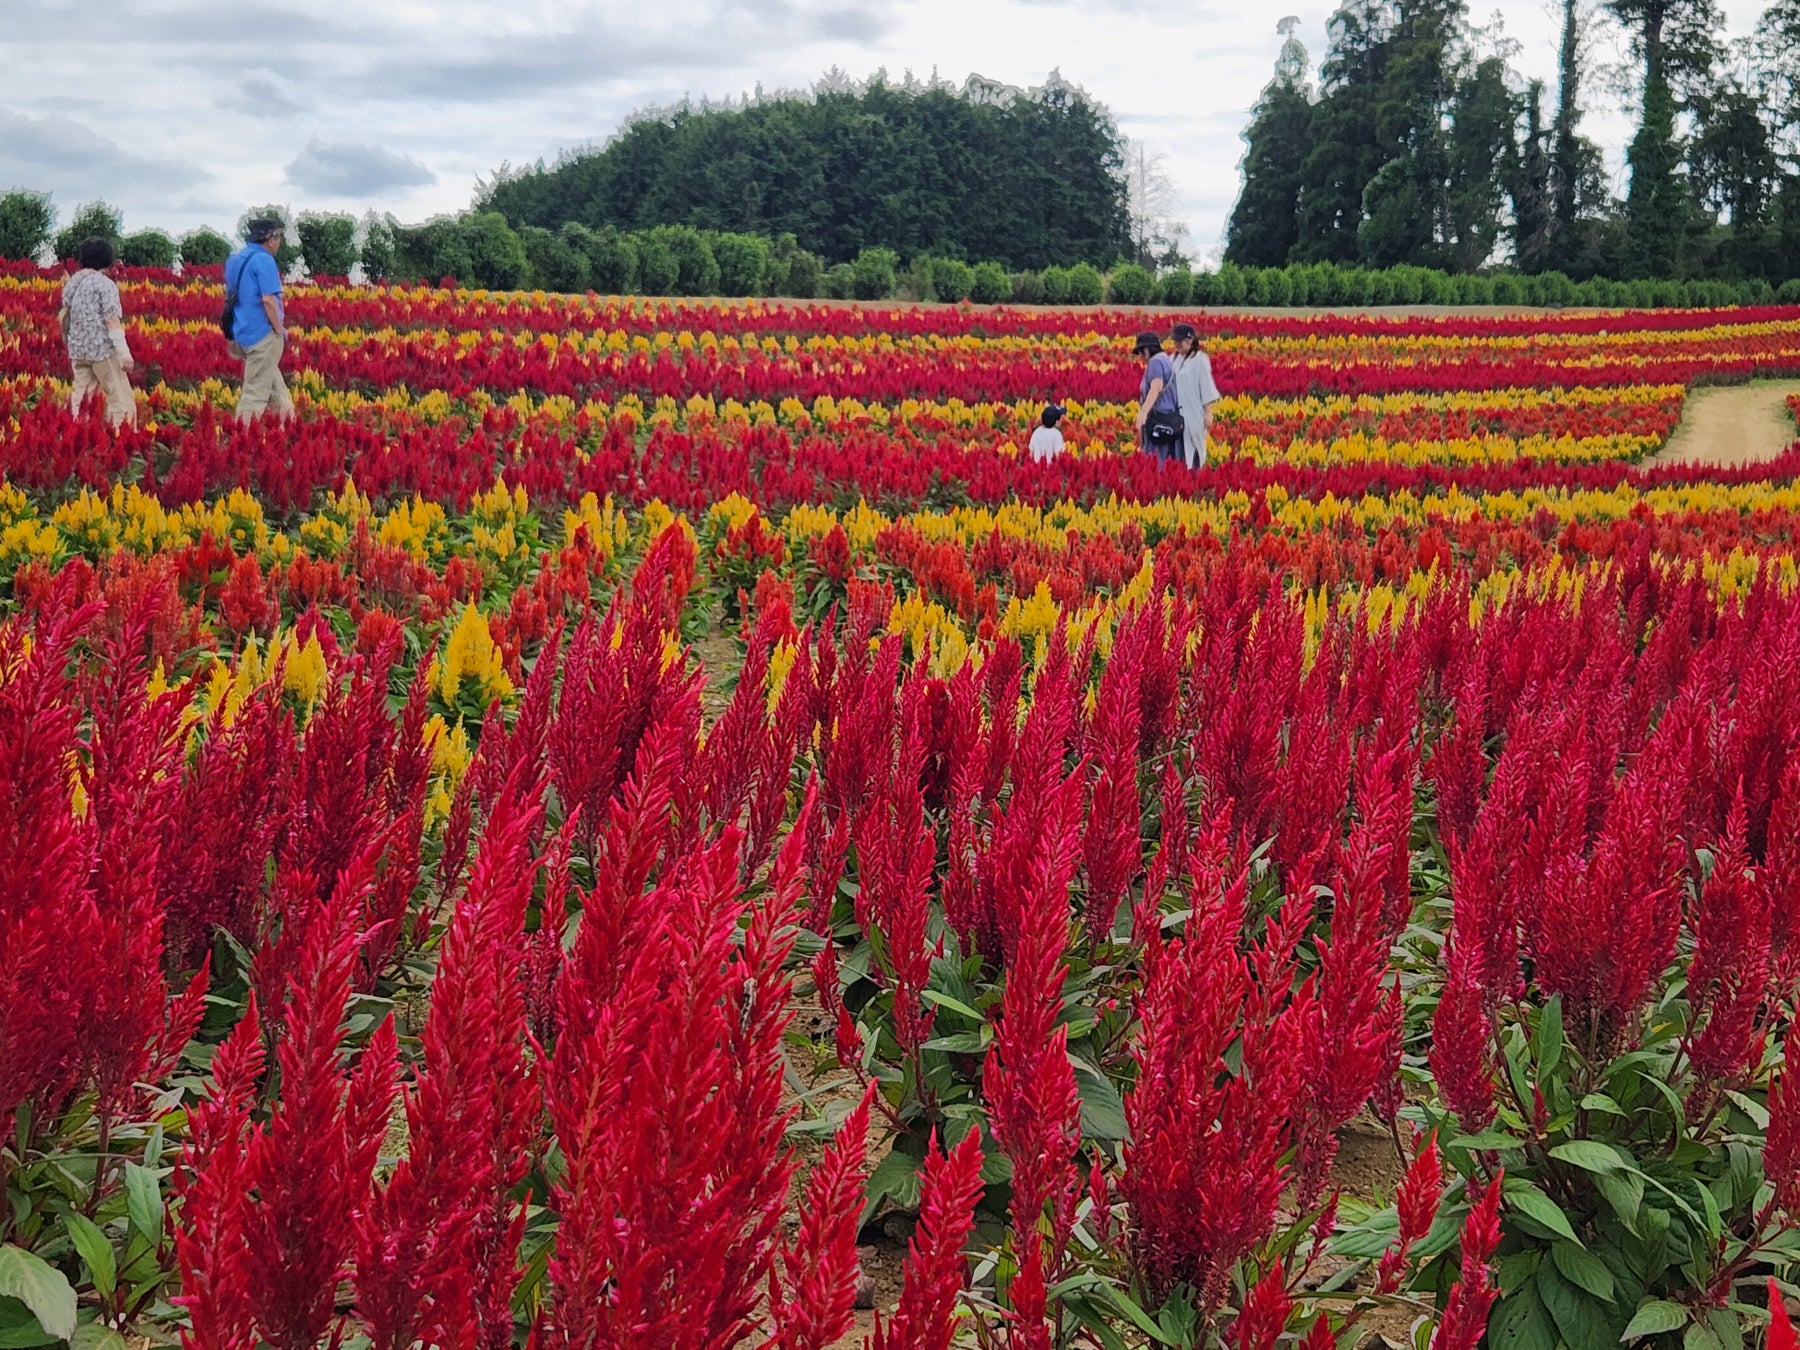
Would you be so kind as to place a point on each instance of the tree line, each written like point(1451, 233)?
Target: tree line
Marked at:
point(1420, 145)
point(1026, 178)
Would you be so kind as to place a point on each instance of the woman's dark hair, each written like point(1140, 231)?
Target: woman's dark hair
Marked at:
point(1051, 415)
point(96, 253)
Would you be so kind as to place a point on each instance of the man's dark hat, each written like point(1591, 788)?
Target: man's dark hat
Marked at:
point(259, 230)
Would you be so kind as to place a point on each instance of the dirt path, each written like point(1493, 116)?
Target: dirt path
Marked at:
point(1726, 426)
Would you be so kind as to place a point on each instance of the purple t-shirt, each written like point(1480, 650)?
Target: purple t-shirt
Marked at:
point(1160, 367)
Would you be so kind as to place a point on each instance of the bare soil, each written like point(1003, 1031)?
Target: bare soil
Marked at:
point(1728, 426)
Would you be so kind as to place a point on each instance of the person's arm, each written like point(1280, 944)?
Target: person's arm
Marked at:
point(114, 316)
point(1148, 401)
point(271, 296)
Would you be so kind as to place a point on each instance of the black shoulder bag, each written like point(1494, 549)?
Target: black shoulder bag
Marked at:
point(228, 315)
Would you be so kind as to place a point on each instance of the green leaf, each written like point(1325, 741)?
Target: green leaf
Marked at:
point(1700, 1337)
point(1519, 1322)
point(1653, 1317)
point(1581, 1321)
point(1528, 1200)
point(1139, 1318)
point(1549, 1037)
point(143, 1202)
point(95, 1250)
point(1752, 1108)
point(1584, 1269)
point(1587, 1155)
point(19, 1330)
point(1599, 1101)
point(896, 1175)
point(945, 1001)
point(41, 1287)
point(1102, 1109)
point(94, 1336)
point(1624, 1191)
point(1486, 1141)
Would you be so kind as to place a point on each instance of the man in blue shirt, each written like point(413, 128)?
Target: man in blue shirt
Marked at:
point(258, 326)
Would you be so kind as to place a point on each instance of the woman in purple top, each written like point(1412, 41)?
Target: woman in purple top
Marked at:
point(1159, 413)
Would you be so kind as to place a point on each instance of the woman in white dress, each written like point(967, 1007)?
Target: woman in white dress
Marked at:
point(1194, 391)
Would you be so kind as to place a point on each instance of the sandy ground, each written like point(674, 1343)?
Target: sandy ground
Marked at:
point(1726, 426)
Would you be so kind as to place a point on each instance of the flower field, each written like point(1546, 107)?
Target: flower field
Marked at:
point(622, 806)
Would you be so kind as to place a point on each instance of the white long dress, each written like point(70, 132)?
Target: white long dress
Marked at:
point(1195, 392)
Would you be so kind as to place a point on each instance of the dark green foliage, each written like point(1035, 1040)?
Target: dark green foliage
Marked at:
point(744, 263)
point(204, 248)
point(1056, 285)
point(1086, 285)
point(26, 221)
point(1657, 204)
point(804, 277)
point(147, 248)
point(1175, 288)
point(951, 279)
point(1130, 284)
point(1030, 181)
point(840, 281)
point(377, 252)
point(659, 270)
point(1028, 288)
point(989, 284)
point(1265, 223)
point(1269, 286)
point(327, 242)
point(94, 220)
point(497, 259)
point(617, 264)
point(696, 269)
point(873, 274)
point(436, 251)
point(558, 259)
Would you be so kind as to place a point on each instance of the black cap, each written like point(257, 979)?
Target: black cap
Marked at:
point(1147, 342)
point(259, 230)
point(1184, 332)
point(1054, 411)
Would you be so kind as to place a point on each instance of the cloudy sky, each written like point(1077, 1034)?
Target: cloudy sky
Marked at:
point(184, 112)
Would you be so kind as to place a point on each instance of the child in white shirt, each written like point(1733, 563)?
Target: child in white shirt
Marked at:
point(1046, 440)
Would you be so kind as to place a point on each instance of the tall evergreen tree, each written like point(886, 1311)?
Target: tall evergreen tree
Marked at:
point(1484, 159)
point(1347, 151)
point(1265, 223)
point(1677, 42)
point(1533, 187)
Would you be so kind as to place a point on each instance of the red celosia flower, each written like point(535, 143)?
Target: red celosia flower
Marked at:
point(936, 1269)
point(1417, 1202)
point(812, 1290)
point(1466, 1310)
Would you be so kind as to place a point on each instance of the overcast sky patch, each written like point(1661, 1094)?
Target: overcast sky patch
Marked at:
point(347, 169)
point(401, 106)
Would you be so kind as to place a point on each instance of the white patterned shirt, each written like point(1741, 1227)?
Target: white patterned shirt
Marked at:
point(91, 298)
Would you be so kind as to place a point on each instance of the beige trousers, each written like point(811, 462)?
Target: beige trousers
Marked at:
point(108, 378)
point(263, 386)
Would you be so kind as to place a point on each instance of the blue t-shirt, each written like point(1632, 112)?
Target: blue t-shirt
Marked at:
point(252, 273)
point(1160, 367)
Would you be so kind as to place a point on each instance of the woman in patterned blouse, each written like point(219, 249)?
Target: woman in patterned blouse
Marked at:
point(93, 326)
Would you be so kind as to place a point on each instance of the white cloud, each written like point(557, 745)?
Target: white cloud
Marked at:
point(351, 99)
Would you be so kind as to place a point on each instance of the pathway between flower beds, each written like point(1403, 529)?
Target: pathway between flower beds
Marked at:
point(1730, 425)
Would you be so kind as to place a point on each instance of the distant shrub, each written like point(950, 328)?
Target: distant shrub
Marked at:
point(327, 242)
point(805, 276)
point(951, 279)
point(696, 269)
point(743, 261)
point(1175, 288)
point(1503, 289)
point(204, 248)
point(1231, 285)
point(1056, 285)
point(147, 248)
point(840, 281)
point(1028, 288)
point(1270, 287)
point(873, 272)
point(1130, 284)
point(26, 220)
point(96, 219)
point(658, 270)
point(1086, 286)
point(989, 284)
point(558, 258)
